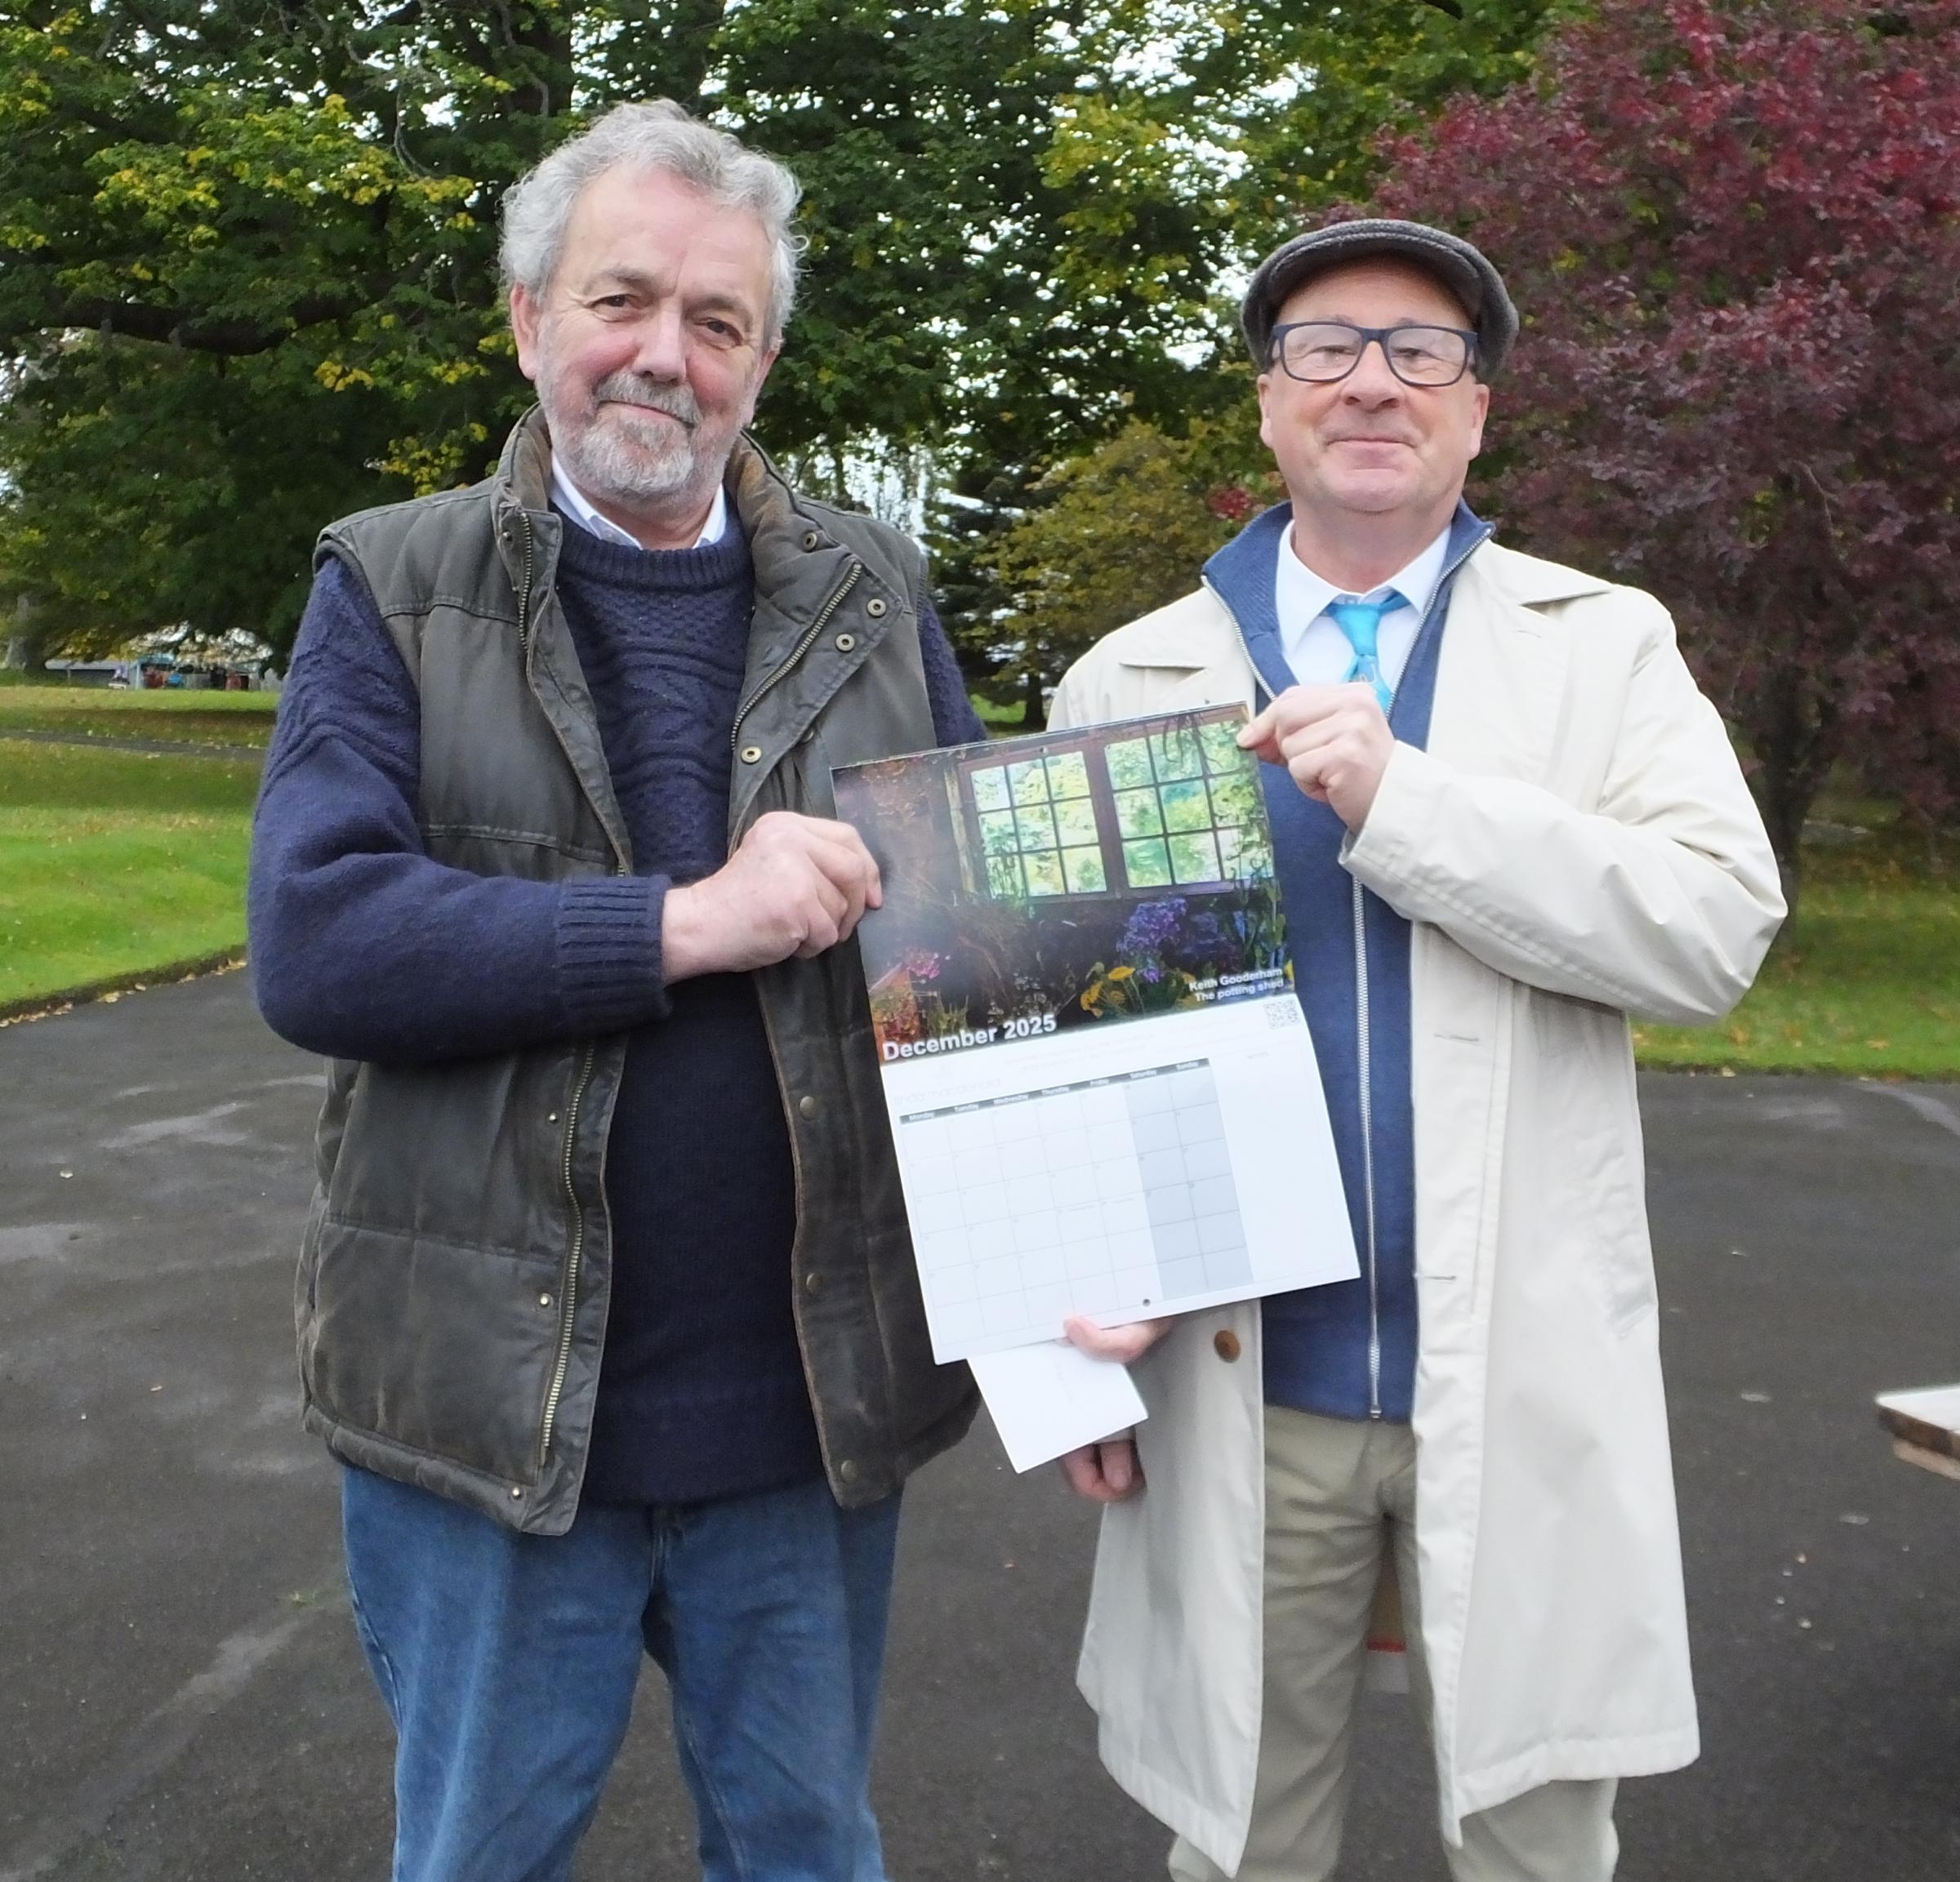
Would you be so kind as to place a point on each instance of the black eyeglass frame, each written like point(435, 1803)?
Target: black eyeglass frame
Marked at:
point(1378, 336)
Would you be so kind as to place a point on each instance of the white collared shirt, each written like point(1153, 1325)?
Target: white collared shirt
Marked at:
point(572, 500)
point(1315, 649)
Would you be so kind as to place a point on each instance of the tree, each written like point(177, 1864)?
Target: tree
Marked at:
point(249, 279)
point(1732, 229)
point(1115, 533)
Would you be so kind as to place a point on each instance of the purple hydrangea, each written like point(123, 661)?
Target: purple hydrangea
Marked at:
point(1153, 926)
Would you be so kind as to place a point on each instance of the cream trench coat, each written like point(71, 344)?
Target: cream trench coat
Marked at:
point(1576, 844)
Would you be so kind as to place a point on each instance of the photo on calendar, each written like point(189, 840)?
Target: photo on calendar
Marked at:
point(1067, 879)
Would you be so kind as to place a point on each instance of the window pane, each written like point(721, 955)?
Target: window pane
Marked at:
point(1241, 854)
point(1028, 781)
point(1138, 814)
point(1177, 755)
point(1195, 858)
point(1085, 871)
point(997, 833)
point(1186, 807)
point(990, 788)
point(1147, 864)
point(1003, 877)
point(1075, 819)
point(1067, 774)
point(1128, 762)
point(1233, 799)
point(1222, 752)
point(1043, 872)
point(1037, 828)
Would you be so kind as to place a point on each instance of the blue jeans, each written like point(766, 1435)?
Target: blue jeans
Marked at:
point(508, 1663)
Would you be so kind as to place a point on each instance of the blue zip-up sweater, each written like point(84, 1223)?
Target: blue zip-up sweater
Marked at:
point(1345, 1350)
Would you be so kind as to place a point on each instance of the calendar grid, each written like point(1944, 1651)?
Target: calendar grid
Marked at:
point(1106, 1194)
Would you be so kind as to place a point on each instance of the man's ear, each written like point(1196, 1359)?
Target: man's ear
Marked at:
point(1483, 412)
point(1264, 382)
point(768, 359)
point(527, 316)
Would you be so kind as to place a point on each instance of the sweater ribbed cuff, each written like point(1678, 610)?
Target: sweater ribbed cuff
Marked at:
point(609, 952)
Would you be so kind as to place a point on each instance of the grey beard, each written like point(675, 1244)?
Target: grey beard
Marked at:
point(606, 465)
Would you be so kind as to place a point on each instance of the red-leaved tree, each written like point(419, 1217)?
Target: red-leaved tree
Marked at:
point(1731, 229)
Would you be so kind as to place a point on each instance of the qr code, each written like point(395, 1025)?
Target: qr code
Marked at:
point(1283, 1010)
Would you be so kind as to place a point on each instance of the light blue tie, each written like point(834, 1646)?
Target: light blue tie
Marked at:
point(1361, 621)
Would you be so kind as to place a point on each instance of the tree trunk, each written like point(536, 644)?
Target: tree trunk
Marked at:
point(1034, 716)
point(27, 645)
point(1794, 735)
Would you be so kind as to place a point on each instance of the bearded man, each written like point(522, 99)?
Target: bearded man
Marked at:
point(606, 1300)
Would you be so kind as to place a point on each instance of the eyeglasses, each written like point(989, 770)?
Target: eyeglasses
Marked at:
point(1322, 352)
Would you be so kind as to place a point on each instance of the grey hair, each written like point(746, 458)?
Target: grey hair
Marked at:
point(658, 135)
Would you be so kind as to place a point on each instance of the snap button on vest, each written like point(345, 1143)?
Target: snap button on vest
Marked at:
point(1225, 1343)
point(813, 1283)
point(811, 539)
point(808, 1106)
point(875, 607)
point(847, 1471)
point(751, 755)
point(846, 641)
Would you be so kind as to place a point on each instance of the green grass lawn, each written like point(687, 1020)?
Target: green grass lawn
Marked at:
point(1865, 980)
point(175, 717)
point(116, 864)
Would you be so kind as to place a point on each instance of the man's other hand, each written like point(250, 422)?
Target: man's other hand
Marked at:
point(1105, 1472)
point(1121, 1344)
point(795, 885)
point(1108, 1471)
point(1334, 740)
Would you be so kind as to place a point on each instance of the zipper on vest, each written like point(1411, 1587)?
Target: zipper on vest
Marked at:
point(805, 643)
point(568, 1291)
point(1364, 1057)
point(524, 584)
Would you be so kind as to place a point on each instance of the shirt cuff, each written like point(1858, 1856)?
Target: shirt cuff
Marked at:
point(609, 952)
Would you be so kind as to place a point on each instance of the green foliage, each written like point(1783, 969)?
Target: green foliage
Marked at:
point(1110, 536)
point(1335, 80)
point(248, 258)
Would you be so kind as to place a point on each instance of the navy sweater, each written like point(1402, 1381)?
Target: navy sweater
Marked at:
point(362, 947)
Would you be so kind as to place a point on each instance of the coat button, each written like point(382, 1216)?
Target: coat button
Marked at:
point(813, 1283)
point(808, 1106)
point(811, 539)
point(751, 755)
point(515, 1492)
point(875, 608)
point(544, 1300)
point(846, 1472)
point(846, 641)
point(1225, 1343)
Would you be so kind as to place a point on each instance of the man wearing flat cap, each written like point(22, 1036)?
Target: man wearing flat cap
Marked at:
point(1505, 820)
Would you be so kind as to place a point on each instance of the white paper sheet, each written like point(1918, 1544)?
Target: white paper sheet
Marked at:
point(1052, 1398)
point(1938, 1405)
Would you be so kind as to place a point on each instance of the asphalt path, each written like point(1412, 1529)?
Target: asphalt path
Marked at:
point(181, 1698)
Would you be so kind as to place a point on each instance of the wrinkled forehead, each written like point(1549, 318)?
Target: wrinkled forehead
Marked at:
point(1376, 291)
point(651, 223)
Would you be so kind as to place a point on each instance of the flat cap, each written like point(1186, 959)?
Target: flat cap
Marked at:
point(1461, 269)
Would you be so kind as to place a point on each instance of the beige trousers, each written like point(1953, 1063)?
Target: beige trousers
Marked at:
point(1337, 1494)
